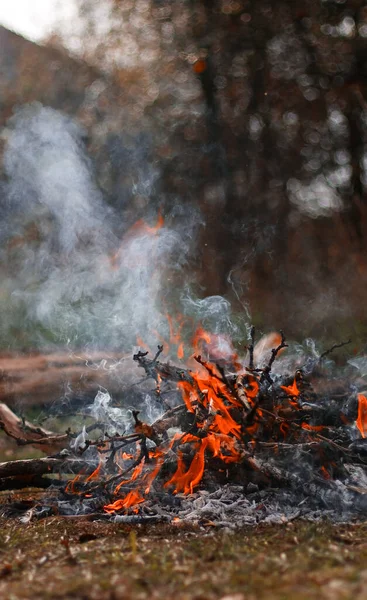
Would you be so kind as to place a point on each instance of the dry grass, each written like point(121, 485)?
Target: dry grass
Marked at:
point(66, 558)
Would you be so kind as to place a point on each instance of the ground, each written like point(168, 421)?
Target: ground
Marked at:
point(72, 558)
point(66, 558)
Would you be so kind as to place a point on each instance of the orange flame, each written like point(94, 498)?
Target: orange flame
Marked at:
point(205, 391)
point(70, 487)
point(150, 477)
point(361, 421)
point(213, 401)
point(131, 499)
point(252, 387)
point(143, 345)
point(218, 346)
point(175, 334)
point(136, 472)
point(95, 473)
point(188, 393)
point(185, 481)
point(200, 336)
point(221, 446)
point(252, 429)
point(213, 391)
point(284, 428)
point(219, 443)
point(291, 390)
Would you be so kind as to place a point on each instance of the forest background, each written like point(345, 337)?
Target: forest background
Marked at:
point(245, 118)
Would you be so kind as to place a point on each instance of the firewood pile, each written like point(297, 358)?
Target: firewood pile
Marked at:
point(234, 442)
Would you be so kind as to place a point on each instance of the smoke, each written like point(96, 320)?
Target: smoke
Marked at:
point(69, 276)
point(213, 312)
point(46, 167)
point(114, 419)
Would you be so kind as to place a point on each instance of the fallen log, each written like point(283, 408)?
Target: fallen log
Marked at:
point(36, 379)
point(42, 466)
point(29, 481)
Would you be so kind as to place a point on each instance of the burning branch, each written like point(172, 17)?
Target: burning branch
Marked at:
point(274, 353)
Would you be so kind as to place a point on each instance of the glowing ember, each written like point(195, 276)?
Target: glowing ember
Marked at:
point(361, 421)
point(312, 427)
point(325, 473)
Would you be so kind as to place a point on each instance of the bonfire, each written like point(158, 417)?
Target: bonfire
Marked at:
point(237, 441)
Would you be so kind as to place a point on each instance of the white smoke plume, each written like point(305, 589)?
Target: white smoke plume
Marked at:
point(66, 272)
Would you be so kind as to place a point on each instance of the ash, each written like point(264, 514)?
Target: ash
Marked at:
point(235, 506)
point(232, 508)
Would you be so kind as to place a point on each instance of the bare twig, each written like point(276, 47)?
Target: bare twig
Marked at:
point(158, 353)
point(334, 347)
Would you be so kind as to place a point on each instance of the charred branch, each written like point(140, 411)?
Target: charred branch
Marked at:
point(251, 347)
point(265, 376)
point(153, 368)
point(210, 368)
point(39, 378)
point(144, 429)
point(29, 481)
